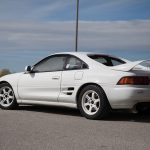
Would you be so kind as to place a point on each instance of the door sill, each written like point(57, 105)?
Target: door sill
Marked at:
point(70, 105)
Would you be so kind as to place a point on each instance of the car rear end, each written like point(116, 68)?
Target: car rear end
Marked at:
point(132, 90)
point(126, 83)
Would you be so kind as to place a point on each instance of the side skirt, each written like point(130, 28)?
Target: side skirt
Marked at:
point(70, 105)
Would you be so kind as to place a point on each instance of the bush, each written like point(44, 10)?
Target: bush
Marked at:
point(4, 72)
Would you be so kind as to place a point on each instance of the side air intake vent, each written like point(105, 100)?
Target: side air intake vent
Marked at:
point(70, 88)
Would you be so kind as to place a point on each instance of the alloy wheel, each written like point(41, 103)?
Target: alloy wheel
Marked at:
point(90, 102)
point(6, 96)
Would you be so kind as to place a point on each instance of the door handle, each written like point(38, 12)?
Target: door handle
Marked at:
point(55, 78)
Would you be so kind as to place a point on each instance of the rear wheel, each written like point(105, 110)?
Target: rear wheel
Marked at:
point(93, 103)
point(7, 97)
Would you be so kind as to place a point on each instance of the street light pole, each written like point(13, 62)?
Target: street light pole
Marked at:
point(77, 26)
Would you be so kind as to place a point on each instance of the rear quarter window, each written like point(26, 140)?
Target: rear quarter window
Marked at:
point(107, 60)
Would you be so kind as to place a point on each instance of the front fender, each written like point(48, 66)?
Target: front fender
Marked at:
point(12, 79)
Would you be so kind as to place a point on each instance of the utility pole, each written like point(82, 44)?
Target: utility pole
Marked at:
point(77, 26)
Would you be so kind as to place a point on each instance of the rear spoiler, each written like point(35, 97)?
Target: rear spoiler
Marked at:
point(129, 65)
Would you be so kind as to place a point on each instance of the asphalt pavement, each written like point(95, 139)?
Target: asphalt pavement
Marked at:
point(57, 128)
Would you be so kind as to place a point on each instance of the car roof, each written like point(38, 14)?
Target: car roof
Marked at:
point(84, 53)
point(74, 53)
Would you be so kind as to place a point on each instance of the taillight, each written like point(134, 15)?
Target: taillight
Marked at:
point(134, 80)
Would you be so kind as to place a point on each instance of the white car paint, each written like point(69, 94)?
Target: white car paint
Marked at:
point(31, 85)
point(127, 66)
point(50, 88)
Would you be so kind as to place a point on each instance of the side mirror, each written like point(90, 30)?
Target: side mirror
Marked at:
point(28, 69)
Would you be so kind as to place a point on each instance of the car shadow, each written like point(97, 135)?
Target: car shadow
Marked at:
point(51, 109)
point(130, 117)
point(114, 116)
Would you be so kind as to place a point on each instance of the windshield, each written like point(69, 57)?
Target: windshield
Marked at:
point(107, 60)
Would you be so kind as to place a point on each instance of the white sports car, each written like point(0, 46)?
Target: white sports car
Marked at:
point(93, 83)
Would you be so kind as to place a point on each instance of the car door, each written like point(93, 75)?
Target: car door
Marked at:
point(43, 82)
point(72, 77)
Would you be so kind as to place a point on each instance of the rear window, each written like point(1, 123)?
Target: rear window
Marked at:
point(107, 60)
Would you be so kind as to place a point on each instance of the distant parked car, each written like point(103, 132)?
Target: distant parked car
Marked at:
point(93, 83)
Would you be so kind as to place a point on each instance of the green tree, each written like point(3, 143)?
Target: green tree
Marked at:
point(4, 72)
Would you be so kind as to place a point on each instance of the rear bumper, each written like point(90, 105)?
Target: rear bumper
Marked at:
point(126, 97)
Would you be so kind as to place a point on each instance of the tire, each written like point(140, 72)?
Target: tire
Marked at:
point(93, 103)
point(7, 97)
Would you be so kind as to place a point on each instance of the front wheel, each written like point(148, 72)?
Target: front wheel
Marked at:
point(7, 97)
point(93, 103)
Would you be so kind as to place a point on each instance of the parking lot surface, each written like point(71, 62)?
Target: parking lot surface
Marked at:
point(57, 128)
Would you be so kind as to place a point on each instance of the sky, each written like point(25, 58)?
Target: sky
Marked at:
point(33, 29)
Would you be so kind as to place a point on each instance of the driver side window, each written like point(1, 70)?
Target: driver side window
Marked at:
point(52, 63)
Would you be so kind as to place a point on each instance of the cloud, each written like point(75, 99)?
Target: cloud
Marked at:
point(31, 9)
point(60, 36)
point(107, 4)
point(48, 9)
point(52, 10)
